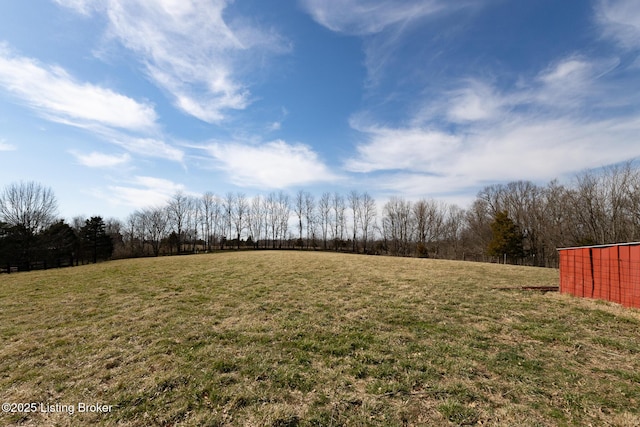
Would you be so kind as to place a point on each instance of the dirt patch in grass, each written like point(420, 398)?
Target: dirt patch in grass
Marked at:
point(312, 339)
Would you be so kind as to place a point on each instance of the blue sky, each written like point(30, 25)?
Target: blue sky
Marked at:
point(118, 104)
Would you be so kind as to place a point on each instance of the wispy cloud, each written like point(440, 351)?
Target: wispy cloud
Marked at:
point(275, 164)
point(573, 86)
point(571, 82)
point(4, 146)
point(101, 160)
point(383, 25)
point(141, 192)
point(84, 7)
point(56, 95)
point(473, 101)
point(274, 126)
point(366, 17)
point(566, 71)
point(148, 147)
point(411, 149)
point(541, 129)
point(620, 20)
point(190, 48)
point(414, 160)
point(277, 125)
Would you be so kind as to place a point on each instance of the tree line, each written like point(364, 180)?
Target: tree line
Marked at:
point(518, 222)
point(32, 237)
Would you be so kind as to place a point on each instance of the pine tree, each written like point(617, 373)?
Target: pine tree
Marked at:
point(507, 238)
point(96, 239)
point(57, 243)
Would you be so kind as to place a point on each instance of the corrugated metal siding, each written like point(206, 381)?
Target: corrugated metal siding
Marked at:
point(608, 272)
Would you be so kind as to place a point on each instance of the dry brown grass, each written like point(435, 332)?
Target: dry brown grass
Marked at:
point(301, 338)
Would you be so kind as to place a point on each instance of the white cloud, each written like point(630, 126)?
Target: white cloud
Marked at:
point(473, 102)
point(566, 87)
point(543, 149)
point(275, 164)
point(143, 191)
point(577, 86)
point(566, 71)
point(366, 17)
point(412, 149)
point(274, 126)
point(451, 188)
point(183, 46)
point(149, 147)
point(101, 160)
point(58, 97)
point(277, 125)
point(620, 20)
point(384, 25)
point(540, 130)
point(55, 94)
point(6, 147)
point(409, 158)
point(84, 7)
point(190, 48)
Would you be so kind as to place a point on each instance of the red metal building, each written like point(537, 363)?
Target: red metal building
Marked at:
point(608, 272)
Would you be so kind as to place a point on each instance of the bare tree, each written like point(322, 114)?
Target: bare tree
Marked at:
point(271, 209)
point(355, 203)
point(619, 181)
point(227, 213)
point(397, 226)
point(367, 218)
point(589, 207)
point(421, 220)
point(207, 204)
point(324, 211)
point(299, 210)
point(256, 219)
point(430, 224)
point(633, 207)
point(178, 209)
point(558, 223)
point(132, 234)
point(28, 205)
point(278, 209)
point(241, 206)
point(193, 220)
point(452, 230)
point(157, 221)
point(477, 234)
point(284, 212)
point(339, 219)
point(310, 218)
point(216, 219)
point(605, 202)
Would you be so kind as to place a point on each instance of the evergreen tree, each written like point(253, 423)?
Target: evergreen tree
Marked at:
point(506, 238)
point(16, 246)
point(58, 243)
point(96, 240)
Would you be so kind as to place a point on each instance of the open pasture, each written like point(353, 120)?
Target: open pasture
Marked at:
point(279, 338)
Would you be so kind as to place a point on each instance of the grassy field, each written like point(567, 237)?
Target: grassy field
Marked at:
point(312, 339)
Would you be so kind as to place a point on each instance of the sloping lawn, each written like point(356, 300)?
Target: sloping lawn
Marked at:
point(279, 338)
